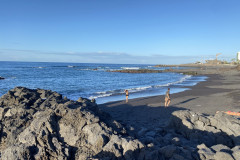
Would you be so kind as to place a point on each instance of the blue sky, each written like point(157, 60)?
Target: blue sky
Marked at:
point(119, 31)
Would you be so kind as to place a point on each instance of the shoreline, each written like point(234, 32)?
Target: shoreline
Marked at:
point(218, 93)
point(190, 69)
point(156, 90)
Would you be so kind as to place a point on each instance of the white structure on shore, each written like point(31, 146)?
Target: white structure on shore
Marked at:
point(238, 56)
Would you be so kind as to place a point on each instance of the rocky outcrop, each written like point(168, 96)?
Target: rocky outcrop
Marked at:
point(137, 71)
point(41, 124)
point(216, 137)
point(1, 78)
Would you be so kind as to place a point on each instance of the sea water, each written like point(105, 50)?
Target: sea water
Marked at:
point(89, 80)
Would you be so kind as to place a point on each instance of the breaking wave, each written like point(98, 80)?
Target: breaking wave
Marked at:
point(136, 89)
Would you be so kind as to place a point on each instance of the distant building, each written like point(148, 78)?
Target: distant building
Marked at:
point(238, 56)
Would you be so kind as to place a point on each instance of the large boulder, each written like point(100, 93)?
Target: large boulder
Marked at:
point(214, 136)
point(210, 130)
point(40, 124)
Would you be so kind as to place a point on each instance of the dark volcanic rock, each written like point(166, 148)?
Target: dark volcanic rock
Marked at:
point(40, 124)
point(137, 71)
point(190, 73)
point(221, 132)
point(210, 130)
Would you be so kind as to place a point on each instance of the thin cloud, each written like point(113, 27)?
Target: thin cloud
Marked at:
point(97, 57)
point(97, 54)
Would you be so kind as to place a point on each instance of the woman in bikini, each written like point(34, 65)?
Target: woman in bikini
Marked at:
point(167, 98)
point(127, 94)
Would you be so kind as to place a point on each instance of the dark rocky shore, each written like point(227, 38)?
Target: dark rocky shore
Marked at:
point(193, 69)
point(41, 124)
point(136, 71)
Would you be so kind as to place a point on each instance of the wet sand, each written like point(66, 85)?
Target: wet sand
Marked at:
point(220, 92)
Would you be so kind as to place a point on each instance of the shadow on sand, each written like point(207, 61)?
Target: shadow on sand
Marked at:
point(188, 100)
point(140, 116)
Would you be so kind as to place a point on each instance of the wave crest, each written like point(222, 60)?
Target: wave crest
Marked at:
point(137, 89)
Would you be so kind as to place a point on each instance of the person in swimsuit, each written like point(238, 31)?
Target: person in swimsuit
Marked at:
point(167, 98)
point(127, 94)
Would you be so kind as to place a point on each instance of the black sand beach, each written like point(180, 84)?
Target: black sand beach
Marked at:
point(218, 93)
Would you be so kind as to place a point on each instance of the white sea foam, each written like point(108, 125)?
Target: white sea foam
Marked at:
point(100, 96)
point(177, 82)
point(37, 67)
point(183, 79)
point(101, 92)
point(135, 68)
point(87, 69)
point(119, 92)
point(137, 89)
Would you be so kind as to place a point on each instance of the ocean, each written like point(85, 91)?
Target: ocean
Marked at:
point(90, 80)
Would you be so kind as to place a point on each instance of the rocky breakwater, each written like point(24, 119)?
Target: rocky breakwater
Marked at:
point(41, 124)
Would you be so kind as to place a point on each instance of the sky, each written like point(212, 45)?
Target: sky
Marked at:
point(119, 31)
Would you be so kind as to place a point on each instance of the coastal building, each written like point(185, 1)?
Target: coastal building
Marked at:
point(238, 56)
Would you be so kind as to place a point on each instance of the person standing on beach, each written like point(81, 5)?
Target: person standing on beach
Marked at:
point(167, 98)
point(127, 94)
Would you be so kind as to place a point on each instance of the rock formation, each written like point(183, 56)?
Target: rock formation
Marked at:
point(216, 137)
point(137, 71)
point(41, 124)
point(1, 78)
